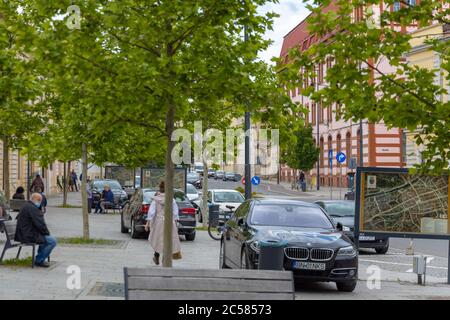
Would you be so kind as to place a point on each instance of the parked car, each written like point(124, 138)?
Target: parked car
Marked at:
point(98, 185)
point(219, 174)
point(134, 214)
point(198, 167)
point(229, 176)
point(343, 211)
point(211, 173)
point(315, 249)
point(191, 192)
point(195, 179)
point(224, 198)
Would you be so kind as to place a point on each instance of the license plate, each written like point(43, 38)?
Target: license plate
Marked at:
point(308, 265)
point(366, 238)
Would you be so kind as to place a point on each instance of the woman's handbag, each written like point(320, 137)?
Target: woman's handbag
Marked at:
point(176, 255)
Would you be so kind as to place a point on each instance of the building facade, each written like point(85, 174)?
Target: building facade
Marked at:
point(381, 146)
point(423, 56)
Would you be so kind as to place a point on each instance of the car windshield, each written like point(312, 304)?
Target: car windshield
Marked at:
point(219, 172)
point(148, 196)
point(193, 176)
point(340, 209)
point(229, 174)
point(100, 185)
point(223, 196)
point(191, 189)
point(290, 215)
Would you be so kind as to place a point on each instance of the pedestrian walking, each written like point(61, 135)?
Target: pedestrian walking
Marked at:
point(302, 181)
point(75, 180)
point(89, 195)
point(59, 183)
point(37, 183)
point(31, 228)
point(20, 194)
point(155, 223)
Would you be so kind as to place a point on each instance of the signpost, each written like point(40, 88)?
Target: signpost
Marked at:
point(340, 157)
point(330, 159)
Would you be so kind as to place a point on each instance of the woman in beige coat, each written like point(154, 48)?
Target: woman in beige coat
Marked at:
point(155, 222)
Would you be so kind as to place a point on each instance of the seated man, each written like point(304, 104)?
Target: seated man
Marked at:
point(31, 228)
point(106, 201)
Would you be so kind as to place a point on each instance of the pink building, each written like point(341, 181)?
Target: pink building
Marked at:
point(382, 147)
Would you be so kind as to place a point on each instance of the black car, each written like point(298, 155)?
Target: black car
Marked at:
point(195, 179)
point(343, 211)
point(97, 187)
point(229, 176)
point(316, 249)
point(135, 212)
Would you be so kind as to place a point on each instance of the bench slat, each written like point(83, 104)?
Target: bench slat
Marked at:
point(210, 284)
point(206, 295)
point(210, 273)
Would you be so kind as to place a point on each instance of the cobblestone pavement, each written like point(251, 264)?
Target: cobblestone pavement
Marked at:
point(102, 266)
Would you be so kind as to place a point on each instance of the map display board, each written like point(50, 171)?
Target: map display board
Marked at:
point(151, 177)
point(392, 201)
point(124, 175)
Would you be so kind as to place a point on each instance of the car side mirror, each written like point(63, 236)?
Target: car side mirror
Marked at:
point(339, 226)
point(241, 223)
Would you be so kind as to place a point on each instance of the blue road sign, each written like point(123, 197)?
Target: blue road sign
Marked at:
point(340, 157)
point(256, 180)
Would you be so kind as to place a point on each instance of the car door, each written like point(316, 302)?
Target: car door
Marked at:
point(236, 234)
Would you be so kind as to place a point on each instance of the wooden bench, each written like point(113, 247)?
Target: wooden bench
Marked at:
point(9, 228)
point(17, 204)
point(190, 284)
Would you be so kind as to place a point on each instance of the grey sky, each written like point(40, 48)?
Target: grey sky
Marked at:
point(291, 13)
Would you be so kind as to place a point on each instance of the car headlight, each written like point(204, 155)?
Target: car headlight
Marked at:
point(347, 252)
point(255, 246)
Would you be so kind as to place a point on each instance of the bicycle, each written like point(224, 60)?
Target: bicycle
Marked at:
point(215, 227)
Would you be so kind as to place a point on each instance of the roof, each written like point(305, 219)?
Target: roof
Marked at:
point(300, 33)
point(223, 190)
point(284, 201)
point(335, 201)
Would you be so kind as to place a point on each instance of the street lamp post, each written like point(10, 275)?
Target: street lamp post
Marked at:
point(316, 84)
point(247, 169)
point(361, 147)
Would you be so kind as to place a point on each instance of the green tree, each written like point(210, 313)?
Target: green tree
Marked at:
point(19, 116)
point(303, 153)
point(407, 98)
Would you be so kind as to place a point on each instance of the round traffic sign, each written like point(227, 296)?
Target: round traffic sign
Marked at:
point(243, 180)
point(340, 157)
point(256, 180)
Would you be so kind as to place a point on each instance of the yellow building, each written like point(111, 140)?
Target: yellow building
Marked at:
point(422, 55)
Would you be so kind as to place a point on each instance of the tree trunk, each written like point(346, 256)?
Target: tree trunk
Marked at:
point(64, 182)
point(84, 192)
point(6, 182)
point(168, 208)
point(204, 208)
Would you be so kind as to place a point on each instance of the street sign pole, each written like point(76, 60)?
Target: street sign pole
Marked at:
point(340, 181)
point(330, 159)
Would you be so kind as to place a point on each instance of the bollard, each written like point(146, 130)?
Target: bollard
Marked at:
point(271, 255)
point(420, 268)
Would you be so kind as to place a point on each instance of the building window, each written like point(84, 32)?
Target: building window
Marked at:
point(314, 114)
point(396, 6)
point(322, 158)
point(348, 146)
point(404, 143)
point(411, 2)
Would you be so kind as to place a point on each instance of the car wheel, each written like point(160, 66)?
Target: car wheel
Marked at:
point(190, 236)
point(346, 286)
point(134, 233)
point(382, 250)
point(123, 229)
point(222, 264)
point(244, 260)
